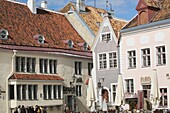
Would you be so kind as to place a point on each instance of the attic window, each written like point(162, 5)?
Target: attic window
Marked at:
point(98, 24)
point(40, 38)
point(85, 46)
point(106, 37)
point(70, 44)
point(3, 34)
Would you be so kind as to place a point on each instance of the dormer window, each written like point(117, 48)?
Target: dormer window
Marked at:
point(106, 37)
point(70, 44)
point(40, 38)
point(85, 46)
point(3, 34)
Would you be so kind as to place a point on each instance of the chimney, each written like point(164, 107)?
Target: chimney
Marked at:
point(147, 10)
point(44, 4)
point(80, 5)
point(32, 6)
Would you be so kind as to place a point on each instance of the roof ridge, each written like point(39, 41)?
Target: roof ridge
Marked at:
point(120, 19)
point(21, 3)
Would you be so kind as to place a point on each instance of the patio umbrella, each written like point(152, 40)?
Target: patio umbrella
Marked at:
point(119, 100)
point(90, 93)
point(155, 94)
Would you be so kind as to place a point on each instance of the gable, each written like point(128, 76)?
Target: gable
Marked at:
point(105, 29)
point(141, 5)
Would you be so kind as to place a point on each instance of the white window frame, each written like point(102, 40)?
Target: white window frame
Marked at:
point(113, 59)
point(130, 88)
point(23, 67)
point(79, 90)
point(78, 67)
point(102, 60)
point(166, 95)
point(133, 59)
point(105, 40)
point(146, 55)
point(52, 66)
point(34, 97)
point(113, 84)
point(161, 55)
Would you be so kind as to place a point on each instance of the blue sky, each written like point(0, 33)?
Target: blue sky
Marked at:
point(124, 9)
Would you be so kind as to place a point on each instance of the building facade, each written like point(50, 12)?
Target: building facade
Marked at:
point(144, 47)
point(44, 61)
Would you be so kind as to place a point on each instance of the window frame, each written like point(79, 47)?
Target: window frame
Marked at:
point(160, 61)
point(113, 59)
point(133, 63)
point(90, 67)
point(164, 95)
point(131, 86)
point(78, 67)
point(145, 57)
point(102, 62)
point(107, 39)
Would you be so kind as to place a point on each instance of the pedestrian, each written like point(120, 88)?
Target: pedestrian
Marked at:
point(16, 110)
point(23, 109)
point(19, 109)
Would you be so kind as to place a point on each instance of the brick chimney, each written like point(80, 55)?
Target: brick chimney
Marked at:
point(146, 10)
point(32, 6)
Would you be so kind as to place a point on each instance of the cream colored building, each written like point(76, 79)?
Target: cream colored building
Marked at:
point(43, 60)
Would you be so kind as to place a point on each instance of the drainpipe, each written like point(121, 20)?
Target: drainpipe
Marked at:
point(11, 73)
point(118, 46)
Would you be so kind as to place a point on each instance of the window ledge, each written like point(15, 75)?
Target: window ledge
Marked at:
point(161, 65)
point(131, 67)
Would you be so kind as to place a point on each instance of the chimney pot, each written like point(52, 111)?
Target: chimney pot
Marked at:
point(44, 4)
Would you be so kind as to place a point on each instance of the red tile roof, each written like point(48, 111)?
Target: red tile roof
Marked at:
point(163, 14)
point(22, 25)
point(35, 77)
point(94, 15)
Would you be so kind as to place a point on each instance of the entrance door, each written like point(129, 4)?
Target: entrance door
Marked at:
point(146, 91)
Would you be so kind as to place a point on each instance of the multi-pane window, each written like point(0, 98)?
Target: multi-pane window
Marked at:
point(114, 92)
point(132, 59)
point(164, 97)
point(112, 60)
point(146, 91)
point(106, 37)
point(90, 66)
point(48, 66)
point(25, 64)
point(43, 65)
point(78, 68)
point(78, 90)
point(53, 66)
point(32, 92)
point(21, 92)
point(102, 61)
point(129, 85)
point(11, 92)
point(146, 58)
point(49, 90)
point(161, 55)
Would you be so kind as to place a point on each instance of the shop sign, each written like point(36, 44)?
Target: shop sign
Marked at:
point(145, 80)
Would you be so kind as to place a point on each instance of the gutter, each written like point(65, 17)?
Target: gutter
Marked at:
point(11, 73)
point(156, 24)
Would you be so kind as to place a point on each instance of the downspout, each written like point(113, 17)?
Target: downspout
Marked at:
point(118, 46)
point(11, 73)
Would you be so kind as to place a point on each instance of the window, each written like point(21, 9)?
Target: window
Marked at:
point(41, 39)
point(112, 60)
point(53, 66)
point(132, 59)
point(102, 61)
point(78, 68)
point(47, 91)
point(164, 97)
point(25, 64)
point(21, 92)
point(78, 90)
point(114, 92)
point(3, 34)
point(43, 65)
point(106, 37)
point(146, 91)
point(161, 55)
point(32, 92)
point(59, 92)
point(129, 85)
point(90, 67)
point(11, 92)
point(70, 44)
point(146, 57)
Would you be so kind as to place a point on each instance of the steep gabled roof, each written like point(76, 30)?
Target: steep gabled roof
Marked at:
point(92, 15)
point(22, 25)
point(163, 14)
